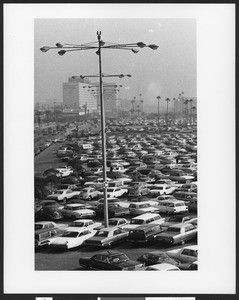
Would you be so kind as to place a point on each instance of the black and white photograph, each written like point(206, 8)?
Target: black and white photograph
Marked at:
point(124, 126)
point(115, 145)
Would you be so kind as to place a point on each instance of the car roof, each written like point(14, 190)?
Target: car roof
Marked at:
point(143, 216)
point(74, 204)
point(45, 222)
point(179, 225)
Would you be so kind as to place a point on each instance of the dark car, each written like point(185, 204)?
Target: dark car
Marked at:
point(49, 213)
point(115, 210)
point(109, 260)
point(107, 237)
point(157, 257)
point(144, 233)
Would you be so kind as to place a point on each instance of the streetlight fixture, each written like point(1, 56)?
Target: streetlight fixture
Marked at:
point(167, 100)
point(64, 48)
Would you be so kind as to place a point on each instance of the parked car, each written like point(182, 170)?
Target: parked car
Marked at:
point(142, 208)
point(72, 238)
point(116, 192)
point(77, 211)
point(89, 193)
point(162, 267)
point(173, 206)
point(178, 219)
point(144, 219)
point(185, 196)
point(157, 257)
point(178, 233)
point(45, 232)
point(49, 213)
point(114, 210)
point(138, 189)
point(109, 260)
point(162, 189)
point(85, 224)
point(63, 195)
point(144, 233)
point(185, 255)
point(65, 171)
point(107, 236)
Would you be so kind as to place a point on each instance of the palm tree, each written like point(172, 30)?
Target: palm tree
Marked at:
point(158, 97)
point(85, 108)
point(138, 109)
point(194, 113)
point(167, 100)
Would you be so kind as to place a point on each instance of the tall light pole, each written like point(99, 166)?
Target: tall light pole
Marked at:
point(100, 45)
point(158, 97)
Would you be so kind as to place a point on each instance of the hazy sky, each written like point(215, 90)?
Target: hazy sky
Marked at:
point(166, 72)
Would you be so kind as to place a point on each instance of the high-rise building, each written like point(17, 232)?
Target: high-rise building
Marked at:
point(77, 95)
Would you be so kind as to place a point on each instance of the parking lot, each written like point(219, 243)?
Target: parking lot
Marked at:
point(145, 164)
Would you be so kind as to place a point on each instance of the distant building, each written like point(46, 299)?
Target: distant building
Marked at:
point(77, 95)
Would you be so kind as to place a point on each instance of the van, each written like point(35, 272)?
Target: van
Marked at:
point(43, 237)
point(172, 206)
point(148, 218)
point(144, 233)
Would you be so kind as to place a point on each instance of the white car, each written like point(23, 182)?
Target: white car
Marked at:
point(98, 183)
point(141, 208)
point(116, 192)
point(161, 189)
point(77, 211)
point(72, 237)
point(84, 224)
point(63, 195)
point(89, 193)
point(162, 267)
point(113, 200)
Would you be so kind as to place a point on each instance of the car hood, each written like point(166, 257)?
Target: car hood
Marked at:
point(167, 235)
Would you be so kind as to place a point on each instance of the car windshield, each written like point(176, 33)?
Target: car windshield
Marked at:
point(136, 221)
point(113, 222)
point(38, 226)
point(58, 192)
point(70, 234)
point(102, 233)
point(175, 219)
point(110, 190)
point(77, 207)
point(144, 205)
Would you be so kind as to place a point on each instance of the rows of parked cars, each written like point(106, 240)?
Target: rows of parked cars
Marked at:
point(151, 194)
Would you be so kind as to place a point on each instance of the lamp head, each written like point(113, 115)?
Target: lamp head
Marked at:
point(153, 46)
point(45, 48)
point(141, 44)
point(62, 52)
point(59, 45)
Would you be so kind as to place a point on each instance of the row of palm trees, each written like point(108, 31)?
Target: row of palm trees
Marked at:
point(185, 107)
